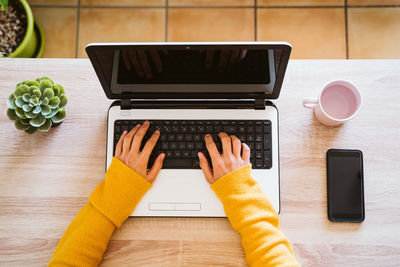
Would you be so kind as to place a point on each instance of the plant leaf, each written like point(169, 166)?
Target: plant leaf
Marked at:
point(59, 117)
point(53, 102)
point(45, 101)
point(34, 100)
point(44, 84)
point(38, 121)
point(31, 130)
point(56, 90)
point(37, 93)
point(20, 126)
point(26, 108)
point(20, 112)
point(46, 126)
point(32, 83)
point(37, 110)
point(26, 97)
point(10, 101)
point(24, 121)
point(44, 78)
point(45, 109)
point(63, 101)
point(30, 115)
point(49, 93)
point(11, 114)
point(52, 113)
point(20, 90)
point(19, 101)
point(62, 91)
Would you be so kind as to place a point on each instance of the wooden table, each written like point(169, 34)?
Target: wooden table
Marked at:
point(47, 177)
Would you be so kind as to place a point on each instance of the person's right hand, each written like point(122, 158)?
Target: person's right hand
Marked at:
point(228, 161)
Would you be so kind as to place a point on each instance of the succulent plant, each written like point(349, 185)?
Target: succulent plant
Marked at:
point(37, 104)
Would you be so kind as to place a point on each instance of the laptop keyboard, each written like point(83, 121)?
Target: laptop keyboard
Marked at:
point(181, 140)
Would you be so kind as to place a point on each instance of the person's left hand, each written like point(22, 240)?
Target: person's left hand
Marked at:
point(128, 152)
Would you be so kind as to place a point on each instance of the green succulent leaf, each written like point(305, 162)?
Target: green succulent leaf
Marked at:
point(38, 121)
point(10, 101)
point(49, 93)
point(11, 114)
point(45, 101)
point(31, 130)
point(20, 112)
point(20, 90)
point(46, 126)
point(26, 97)
point(37, 109)
point(52, 113)
point(59, 117)
point(44, 78)
point(30, 83)
point(26, 108)
point(32, 88)
point(20, 126)
point(19, 101)
point(31, 105)
point(24, 121)
point(45, 84)
point(30, 115)
point(34, 100)
point(45, 109)
point(56, 90)
point(53, 102)
point(62, 91)
point(37, 93)
point(63, 101)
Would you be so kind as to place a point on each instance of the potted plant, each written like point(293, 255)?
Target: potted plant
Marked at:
point(20, 34)
point(37, 105)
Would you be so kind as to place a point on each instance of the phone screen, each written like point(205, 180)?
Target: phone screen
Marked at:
point(345, 185)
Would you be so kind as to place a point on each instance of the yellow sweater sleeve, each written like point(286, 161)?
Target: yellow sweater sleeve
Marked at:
point(86, 238)
point(253, 216)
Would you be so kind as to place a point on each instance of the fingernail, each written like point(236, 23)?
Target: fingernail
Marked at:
point(162, 156)
point(157, 132)
point(200, 155)
point(124, 132)
point(208, 135)
point(147, 122)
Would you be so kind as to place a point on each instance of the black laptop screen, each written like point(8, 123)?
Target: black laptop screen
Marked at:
point(152, 69)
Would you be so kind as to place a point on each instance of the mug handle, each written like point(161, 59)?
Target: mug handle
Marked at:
point(310, 102)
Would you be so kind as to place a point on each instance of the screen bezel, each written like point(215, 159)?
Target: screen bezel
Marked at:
point(338, 217)
point(286, 49)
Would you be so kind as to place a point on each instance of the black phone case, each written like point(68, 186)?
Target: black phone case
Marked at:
point(362, 185)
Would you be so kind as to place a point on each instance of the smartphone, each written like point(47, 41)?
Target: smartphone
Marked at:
point(345, 179)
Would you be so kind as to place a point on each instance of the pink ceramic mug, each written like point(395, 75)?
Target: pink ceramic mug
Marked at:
point(338, 102)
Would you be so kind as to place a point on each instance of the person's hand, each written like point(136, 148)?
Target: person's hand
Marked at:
point(128, 152)
point(228, 161)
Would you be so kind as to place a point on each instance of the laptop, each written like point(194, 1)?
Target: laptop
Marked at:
point(187, 90)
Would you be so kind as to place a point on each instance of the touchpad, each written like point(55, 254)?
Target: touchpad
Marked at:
point(174, 206)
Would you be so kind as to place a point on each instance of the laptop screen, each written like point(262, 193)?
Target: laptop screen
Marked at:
point(187, 68)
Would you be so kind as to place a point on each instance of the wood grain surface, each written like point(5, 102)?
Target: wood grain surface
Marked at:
point(46, 178)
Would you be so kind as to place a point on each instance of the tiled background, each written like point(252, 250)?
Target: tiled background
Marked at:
point(316, 28)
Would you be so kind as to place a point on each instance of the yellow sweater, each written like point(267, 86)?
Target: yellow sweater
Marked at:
point(113, 200)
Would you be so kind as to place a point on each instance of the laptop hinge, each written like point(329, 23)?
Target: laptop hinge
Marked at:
point(259, 103)
point(126, 103)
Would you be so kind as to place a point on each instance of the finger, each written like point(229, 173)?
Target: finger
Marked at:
point(126, 59)
point(155, 169)
point(150, 144)
point(205, 167)
point(118, 148)
point(145, 63)
point(156, 59)
point(236, 146)
point(226, 143)
point(126, 146)
point(212, 148)
point(137, 140)
point(246, 153)
point(135, 62)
